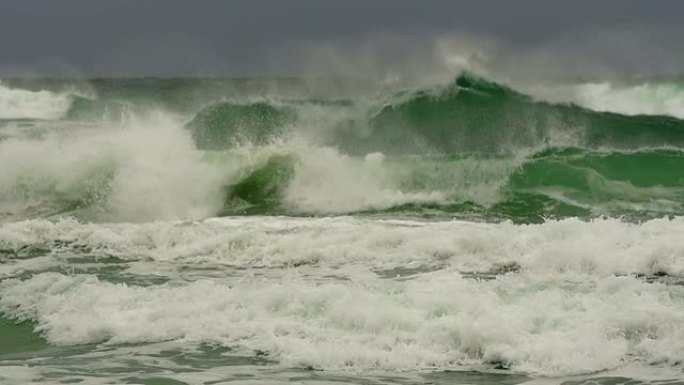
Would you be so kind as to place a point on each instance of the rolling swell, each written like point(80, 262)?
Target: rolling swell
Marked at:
point(471, 114)
point(552, 184)
point(472, 148)
point(559, 183)
point(579, 162)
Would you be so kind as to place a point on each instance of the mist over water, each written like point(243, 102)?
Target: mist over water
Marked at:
point(394, 230)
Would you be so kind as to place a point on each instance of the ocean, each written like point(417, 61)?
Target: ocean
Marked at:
point(322, 231)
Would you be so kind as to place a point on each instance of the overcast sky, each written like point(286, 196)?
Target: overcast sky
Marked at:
point(266, 37)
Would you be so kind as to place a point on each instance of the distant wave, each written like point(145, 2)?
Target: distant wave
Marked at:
point(24, 104)
point(470, 114)
point(641, 99)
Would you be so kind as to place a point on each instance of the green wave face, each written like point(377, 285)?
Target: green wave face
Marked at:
point(223, 125)
point(556, 183)
point(574, 182)
point(471, 148)
point(473, 114)
point(469, 115)
point(261, 190)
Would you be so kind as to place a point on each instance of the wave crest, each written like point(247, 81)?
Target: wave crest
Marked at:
point(23, 104)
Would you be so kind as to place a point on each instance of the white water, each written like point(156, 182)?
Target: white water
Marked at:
point(147, 168)
point(361, 294)
point(568, 247)
point(144, 169)
point(24, 104)
point(642, 99)
point(326, 181)
point(344, 294)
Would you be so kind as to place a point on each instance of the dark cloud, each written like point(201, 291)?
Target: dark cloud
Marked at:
point(240, 37)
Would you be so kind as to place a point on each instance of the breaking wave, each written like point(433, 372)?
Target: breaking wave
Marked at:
point(23, 104)
point(472, 149)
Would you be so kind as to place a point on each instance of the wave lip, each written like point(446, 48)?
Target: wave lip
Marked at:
point(476, 114)
point(641, 99)
point(41, 105)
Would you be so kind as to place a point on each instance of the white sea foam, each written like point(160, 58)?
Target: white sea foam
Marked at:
point(11, 374)
point(569, 247)
point(326, 181)
point(642, 99)
point(354, 293)
point(24, 104)
point(148, 169)
point(143, 169)
point(436, 321)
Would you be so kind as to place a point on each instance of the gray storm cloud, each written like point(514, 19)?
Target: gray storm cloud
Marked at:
point(338, 38)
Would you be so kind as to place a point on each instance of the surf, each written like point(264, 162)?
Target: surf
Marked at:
point(468, 230)
point(16, 103)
